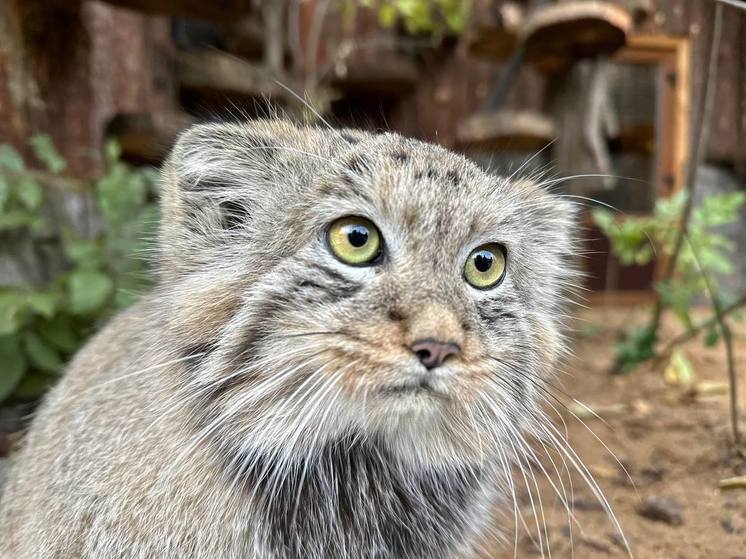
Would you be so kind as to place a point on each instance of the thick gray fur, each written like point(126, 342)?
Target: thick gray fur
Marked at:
point(261, 400)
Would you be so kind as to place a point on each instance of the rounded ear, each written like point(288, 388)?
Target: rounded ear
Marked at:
point(221, 179)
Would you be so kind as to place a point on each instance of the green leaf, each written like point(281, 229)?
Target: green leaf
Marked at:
point(30, 193)
point(679, 369)
point(637, 347)
point(46, 152)
point(4, 192)
point(41, 354)
point(17, 219)
point(387, 15)
point(43, 303)
point(14, 365)
point(84, 253)
point(12, 312)
point(120, 193)
point(88, 291)
point(60, 332)
point(712, 336)
point(112, 151)
point(10, 159)
point(33, 386)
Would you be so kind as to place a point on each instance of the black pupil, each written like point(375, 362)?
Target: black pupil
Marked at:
point(483, 260)
point(358, 235)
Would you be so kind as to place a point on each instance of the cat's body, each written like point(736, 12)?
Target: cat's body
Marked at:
point(268, 400)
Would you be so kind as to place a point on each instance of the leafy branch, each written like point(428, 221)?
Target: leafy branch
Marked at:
point(695, 254)
point(45, 318)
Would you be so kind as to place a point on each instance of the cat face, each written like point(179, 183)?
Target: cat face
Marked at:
point(336, 284)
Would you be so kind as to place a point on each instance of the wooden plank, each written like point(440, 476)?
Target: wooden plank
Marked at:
point(556, 35)
point(506, 130)
point(380, 73)
point(245, 38)
point(143, 140)
point(219, 10)
point(213, 71)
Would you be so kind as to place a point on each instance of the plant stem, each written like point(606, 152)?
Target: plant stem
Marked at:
point(709, 323)
point(699, 142)
point(728, 341)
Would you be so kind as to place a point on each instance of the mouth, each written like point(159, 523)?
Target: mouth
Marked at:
point(421, 387)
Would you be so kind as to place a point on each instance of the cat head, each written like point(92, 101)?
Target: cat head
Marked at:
point(326, 284)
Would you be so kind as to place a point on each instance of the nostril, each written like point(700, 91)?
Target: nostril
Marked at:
point(424, 355)
point(432, 353)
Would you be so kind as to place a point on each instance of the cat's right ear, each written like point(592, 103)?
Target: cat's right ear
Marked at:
point(217, 181)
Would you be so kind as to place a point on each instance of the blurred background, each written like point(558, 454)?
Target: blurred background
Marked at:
point(640, 105)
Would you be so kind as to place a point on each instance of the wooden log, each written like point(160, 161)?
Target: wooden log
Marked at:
point(372, 74)
point(245, 38)
point(224, 74)
point(506, 130)
point(556, 35)
point(141, 139)
point(218, 10)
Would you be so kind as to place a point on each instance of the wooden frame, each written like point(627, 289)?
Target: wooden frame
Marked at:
point(672, 56)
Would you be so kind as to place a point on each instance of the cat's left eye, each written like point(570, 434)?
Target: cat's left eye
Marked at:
point(354, 240)
point(485, 266)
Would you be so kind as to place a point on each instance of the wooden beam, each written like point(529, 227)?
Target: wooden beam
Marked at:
point(506, 130)
point(141, 139)
point(380, 73)
point(556, 35)
point(218, 10)
point(222, 73)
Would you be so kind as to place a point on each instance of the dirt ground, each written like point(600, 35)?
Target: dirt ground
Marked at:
point(674, 442)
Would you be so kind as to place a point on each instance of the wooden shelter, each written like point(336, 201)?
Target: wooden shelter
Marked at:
point(140, 70)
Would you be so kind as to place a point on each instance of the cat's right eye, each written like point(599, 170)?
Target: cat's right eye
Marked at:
point(354, 240)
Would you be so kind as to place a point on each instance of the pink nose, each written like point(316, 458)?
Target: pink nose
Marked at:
point(432, 353)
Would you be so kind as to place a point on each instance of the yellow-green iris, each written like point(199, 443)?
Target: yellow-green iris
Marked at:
point(485, 266)
point(354, 240)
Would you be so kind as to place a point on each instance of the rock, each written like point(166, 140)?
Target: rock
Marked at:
point(731, 502)
point(617, 539)
point(595, 544)
point(583, 503)
point(649, 475)
point(727, 525)
point(733, 524)
point(662, 509)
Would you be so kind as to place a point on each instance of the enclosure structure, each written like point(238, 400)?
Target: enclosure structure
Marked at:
point(507, 84)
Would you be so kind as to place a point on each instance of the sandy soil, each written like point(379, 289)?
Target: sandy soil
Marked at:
point(673, 441)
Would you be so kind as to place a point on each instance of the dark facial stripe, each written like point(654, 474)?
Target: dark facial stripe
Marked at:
point(325, 286)
point(494, 312)
point(194, 355)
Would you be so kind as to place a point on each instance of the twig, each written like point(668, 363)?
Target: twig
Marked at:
point(733, 483)
point(728, 341)
point(695, 330)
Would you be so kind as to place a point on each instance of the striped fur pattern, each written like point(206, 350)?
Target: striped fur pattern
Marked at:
point(262, 400)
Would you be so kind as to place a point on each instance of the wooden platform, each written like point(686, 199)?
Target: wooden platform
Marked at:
point(506, 130)
point(218, 10)
point(224, 74)
point(373, 74)
point(557, 35)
